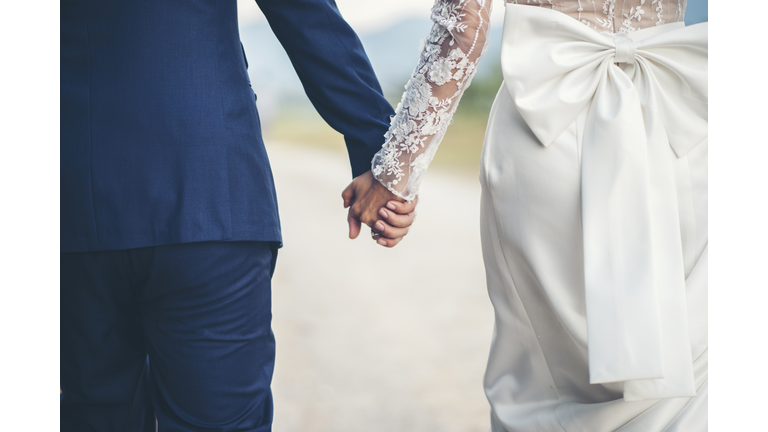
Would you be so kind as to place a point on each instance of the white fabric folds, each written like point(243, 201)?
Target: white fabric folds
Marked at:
point(652, 103)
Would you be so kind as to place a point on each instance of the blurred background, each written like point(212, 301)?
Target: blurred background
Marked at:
point(373, 339)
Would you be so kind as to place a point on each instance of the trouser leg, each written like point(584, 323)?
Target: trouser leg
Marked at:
point(206, 311)
point(103, 359)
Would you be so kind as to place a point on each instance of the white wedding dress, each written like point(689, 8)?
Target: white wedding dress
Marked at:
point(594, 206)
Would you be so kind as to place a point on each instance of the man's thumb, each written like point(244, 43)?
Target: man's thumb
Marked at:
point(348, 195)
point(354, 225)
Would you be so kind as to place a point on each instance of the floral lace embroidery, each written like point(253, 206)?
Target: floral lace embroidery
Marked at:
point(659, 12)
point(635, 13)
point(602, 17)
point(607, 23)
point(535, 2)
point(423, 114)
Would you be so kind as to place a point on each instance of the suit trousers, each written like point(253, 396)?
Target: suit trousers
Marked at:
point(176, 334)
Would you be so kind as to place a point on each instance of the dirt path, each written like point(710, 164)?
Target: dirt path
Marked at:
point(371, 339)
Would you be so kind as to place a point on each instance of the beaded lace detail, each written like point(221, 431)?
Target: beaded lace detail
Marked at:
point(616, 16)
point(449, 59)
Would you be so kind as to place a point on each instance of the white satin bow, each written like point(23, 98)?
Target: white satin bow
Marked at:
point(554, 68)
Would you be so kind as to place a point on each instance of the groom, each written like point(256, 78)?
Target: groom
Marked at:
point(169, 222)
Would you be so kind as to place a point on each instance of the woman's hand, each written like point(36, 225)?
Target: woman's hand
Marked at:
point(397, 217)
point(366, 199)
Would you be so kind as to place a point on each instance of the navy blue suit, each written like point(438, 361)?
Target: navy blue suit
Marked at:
point(169, 221)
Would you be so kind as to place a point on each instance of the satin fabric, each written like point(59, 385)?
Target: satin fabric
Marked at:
point(645, 94)
point(541, 133)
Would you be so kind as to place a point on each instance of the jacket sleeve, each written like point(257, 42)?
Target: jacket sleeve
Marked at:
point(335, 72)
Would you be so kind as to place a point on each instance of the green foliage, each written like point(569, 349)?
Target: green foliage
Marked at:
point(463, 142)
point(478, 98)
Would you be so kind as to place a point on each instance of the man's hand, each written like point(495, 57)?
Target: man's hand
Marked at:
point(366, 198)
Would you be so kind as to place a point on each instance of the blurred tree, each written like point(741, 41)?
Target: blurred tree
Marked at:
point(478, 98)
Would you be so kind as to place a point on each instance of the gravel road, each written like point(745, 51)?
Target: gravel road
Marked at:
point(372, 339)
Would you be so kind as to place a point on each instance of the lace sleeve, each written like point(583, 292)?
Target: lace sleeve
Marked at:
point(446, 66)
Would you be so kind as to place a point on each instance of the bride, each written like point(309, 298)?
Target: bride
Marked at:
point(593, 209)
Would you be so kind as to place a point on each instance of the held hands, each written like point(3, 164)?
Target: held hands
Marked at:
point(366, 199)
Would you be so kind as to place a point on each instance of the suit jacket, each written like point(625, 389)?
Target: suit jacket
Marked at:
point(160, 136)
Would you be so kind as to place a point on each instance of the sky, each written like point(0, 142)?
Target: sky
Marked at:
point(365, 16)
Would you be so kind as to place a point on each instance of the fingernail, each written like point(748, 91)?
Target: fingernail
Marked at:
point(391, 206)
point(382, 242)
point(383, 213)
point(380, 225)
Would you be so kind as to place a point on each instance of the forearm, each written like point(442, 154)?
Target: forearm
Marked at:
point(446, 66)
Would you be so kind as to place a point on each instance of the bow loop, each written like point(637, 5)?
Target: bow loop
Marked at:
point(678, 79)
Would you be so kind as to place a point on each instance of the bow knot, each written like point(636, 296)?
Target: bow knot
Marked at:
point(625, 48)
